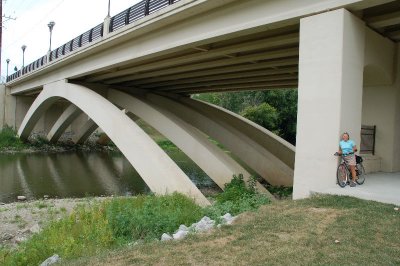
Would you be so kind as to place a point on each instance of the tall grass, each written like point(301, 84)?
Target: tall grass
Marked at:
point(237, 197)
point(109, 224)
point(91, 229)
point(10, 139)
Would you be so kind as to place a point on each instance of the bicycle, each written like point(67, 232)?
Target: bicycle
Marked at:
point(343, 174)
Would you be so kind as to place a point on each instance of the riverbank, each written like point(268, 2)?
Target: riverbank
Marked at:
point(96, 226)
point(20, 220)
point(322, 230)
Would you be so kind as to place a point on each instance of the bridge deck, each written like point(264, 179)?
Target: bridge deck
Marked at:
point(229, 59)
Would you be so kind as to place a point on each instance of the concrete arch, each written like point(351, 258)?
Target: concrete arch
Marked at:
point(66, 118)
point(160, 173)
point(84, 133)
point(215, 163)
point(267, 154)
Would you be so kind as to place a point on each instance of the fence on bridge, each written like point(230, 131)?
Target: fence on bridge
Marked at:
point(126, 17)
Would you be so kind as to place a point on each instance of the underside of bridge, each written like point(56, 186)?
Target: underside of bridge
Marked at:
point(152, 74)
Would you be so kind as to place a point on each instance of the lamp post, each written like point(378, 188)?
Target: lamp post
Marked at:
point(8, 62)
point(23, 47)
point(51, 26)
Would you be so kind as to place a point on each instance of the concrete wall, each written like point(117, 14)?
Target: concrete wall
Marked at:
point(381, 104)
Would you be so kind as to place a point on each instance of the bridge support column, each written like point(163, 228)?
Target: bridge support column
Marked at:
point(330, 96)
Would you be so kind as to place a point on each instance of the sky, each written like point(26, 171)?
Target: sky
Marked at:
point(72, 18)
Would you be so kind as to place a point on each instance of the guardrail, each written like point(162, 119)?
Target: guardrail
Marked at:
point(126, 17)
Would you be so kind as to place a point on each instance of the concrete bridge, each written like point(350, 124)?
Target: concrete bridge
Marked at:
point(342, 55)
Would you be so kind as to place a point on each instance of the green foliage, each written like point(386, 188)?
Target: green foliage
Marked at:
point(84, 232)
point(94, 228)
point(148, 217)
point(10, 139)
point(166, 145)
point(284, 102)
point(281, 191)
point(264, 114)
point(237, 197)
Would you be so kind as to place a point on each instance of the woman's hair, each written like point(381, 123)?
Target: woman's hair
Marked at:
point(345, 133)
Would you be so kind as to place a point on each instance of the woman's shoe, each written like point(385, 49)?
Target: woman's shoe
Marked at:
point(353, 184)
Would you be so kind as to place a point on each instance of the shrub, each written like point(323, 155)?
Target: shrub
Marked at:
point(10, 139)
point(148, 217)
point(237, 198)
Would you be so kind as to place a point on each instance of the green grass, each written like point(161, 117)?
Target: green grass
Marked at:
point(94, 228)
point(9, 139)
point(100, 226)
point(282, 233)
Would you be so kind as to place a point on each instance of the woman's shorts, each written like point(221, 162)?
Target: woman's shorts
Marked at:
point(350, 159)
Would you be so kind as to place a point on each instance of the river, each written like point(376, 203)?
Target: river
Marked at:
point(79, 174)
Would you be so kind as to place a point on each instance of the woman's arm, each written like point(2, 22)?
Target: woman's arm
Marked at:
point(354, 148)
point(340, 151)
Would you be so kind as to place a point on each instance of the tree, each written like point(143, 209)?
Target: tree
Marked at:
point(284, 101)
point(264, 114)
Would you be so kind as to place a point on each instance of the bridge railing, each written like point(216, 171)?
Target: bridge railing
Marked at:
point(126, 17)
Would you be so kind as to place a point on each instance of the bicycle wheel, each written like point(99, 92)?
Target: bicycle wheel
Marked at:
point(360, 174)
point(342, 175)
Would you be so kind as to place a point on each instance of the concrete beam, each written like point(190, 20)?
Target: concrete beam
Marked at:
point(233, 134)
point(66, 118)
point(226, 69)
point(214, 162)
point(253, 58)
point(267, 43)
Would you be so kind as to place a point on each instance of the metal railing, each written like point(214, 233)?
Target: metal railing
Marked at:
point(367, 144)
point(126, 17)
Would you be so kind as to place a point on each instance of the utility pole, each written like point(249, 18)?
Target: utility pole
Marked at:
point(4, 18)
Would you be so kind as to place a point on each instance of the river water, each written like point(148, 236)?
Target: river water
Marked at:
point(79, 174)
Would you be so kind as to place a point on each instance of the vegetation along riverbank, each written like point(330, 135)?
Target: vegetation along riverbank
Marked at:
point(95, 226)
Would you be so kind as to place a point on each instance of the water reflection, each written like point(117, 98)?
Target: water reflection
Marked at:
point(79, 174)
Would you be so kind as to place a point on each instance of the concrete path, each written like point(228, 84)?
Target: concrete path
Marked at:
point(381, 187)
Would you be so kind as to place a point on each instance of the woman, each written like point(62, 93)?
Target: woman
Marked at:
point(347, 148)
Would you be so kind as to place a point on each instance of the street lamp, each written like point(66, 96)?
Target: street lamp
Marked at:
point(51, 25)
point(23, 47)
point(8, 62)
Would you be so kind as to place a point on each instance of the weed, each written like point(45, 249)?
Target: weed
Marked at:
point(41, 205)
point(237, 197)
point(10, 139)
point(147, 217)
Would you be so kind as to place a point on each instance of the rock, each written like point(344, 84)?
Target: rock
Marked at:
point(21, 198)
point(180, 235)
point(227, 219)
point(46, 196)
point(2, 203)
point(49, 261)
point(35, 229)
point(205, 224)
point(396, 208)
point(337, 241)
point(6, 236)
point(166, 237)
point(183, 227)
point(20, 239)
